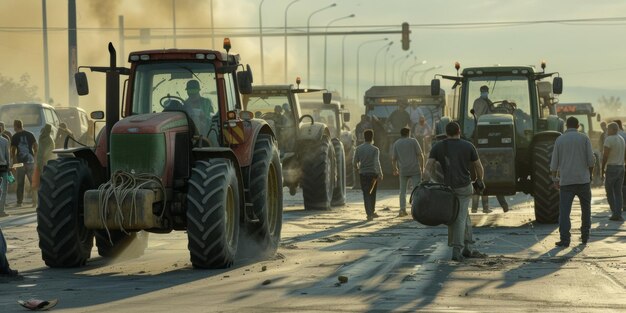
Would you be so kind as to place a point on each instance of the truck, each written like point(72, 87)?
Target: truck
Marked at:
point(381, 101)
point(589, 124)
point(312, 157)
point(167, 165)
point(516, 139)
point(336, 117)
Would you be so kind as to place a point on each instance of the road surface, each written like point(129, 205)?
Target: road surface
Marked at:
point(391, 264)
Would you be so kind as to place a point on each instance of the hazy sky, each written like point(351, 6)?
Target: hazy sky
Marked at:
point(586, 54)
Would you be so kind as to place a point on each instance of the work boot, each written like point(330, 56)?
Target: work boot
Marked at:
point(402, 213)
point(487, 210)
point(374, 215)
point(505, 208)
point(473, 254)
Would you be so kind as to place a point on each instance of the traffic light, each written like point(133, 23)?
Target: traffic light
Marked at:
point(406, 42)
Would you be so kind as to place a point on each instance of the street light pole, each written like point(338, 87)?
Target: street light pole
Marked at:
point(376, 58)
point(261, 42)
point(308, 42)
point(406, 72)
point(326, 41)
point(287, 9)
point(174, 20)
point(358, 51)
point(393, 67)
point(385, 64)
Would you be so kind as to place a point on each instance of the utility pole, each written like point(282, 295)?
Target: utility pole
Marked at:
point(120, 22)
point(46, 73)
point(72, 53)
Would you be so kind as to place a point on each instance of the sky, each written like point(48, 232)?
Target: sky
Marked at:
point(589, 56)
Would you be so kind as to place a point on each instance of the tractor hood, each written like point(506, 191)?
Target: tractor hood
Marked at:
point(151, 123)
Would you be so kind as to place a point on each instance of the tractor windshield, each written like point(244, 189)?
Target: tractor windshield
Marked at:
point(501, 90)
point(177, 86)
point(323, 115)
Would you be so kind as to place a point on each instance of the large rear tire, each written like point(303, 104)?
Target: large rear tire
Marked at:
point(63, 238)
point(339, 192)
point(130, 245)
point(546, 197)
point(266, 195)
point(318, 174)
point(213, 210)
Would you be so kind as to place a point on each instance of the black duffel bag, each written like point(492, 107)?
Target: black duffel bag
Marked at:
point(434, 204)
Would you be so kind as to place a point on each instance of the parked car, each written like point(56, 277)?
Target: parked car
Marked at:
point(34, 116)
point(75, 118)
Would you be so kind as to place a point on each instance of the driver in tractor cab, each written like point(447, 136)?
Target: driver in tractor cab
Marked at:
point(200, 108)
point(483, 105)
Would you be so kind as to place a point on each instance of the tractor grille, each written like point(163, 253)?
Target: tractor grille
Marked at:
point(495, 136)
point(138, 153)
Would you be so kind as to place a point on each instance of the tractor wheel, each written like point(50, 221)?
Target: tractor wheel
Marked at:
point(349, 168)
point(318, 175)
point(267, 200)
point(546, 197)
point(339, 192)
point(130, 245)
point(213, 213)
point(63, 238)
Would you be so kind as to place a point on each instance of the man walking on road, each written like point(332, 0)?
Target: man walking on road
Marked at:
point(456, 156)
point(5, 166)
point(613, 170)
point(572, 169)
point(407, 161)
point(367, 162)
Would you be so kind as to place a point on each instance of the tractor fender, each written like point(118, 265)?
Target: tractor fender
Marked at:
point(313, 131)
point(555, 123)
point(544, 136)
point(226, 153)
point(98, 171)
point(252, 129)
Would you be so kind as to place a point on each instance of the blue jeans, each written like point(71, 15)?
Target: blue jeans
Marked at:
point(460, 232)
point(415, 179)
point(566, 197)
point(614, 179)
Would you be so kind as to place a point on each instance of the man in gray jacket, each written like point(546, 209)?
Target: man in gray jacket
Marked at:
point(572, 168)
point(367, 162)
point(407, 161)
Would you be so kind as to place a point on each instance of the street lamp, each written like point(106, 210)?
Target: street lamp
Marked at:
point(308, 41)
point(393, 67)
point(376, 57)
point(287, 9)
point(406, 72)
point(261, 41)
point(358, 51)
point(326, 40)
point(423, 74)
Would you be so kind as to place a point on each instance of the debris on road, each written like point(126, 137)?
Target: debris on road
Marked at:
point(343, 279)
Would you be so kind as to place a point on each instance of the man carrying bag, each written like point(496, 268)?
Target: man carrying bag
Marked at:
point(456, 156)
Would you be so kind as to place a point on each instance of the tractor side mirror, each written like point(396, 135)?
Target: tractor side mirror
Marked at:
point(435, 86)
point(97, 115)
point(244, 80)
point(346, 116)
point(327, 96)
point(557, 85)
point(82, 85)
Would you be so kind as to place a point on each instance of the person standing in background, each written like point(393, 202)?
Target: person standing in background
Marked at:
point(613, 167)
point(23, 150)
point(5, 166)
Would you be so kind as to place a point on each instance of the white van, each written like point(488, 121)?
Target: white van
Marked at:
point(34, 116)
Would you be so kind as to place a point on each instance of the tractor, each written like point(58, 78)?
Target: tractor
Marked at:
point(515, 139)
point(200, 165)
point(311, 156)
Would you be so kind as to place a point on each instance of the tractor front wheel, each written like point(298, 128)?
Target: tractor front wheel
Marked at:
point(339, 192)
point(318, 174)
point(546, 197)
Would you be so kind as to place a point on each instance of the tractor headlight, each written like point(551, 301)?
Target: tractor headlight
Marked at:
point(483, 141)
point(507, 140)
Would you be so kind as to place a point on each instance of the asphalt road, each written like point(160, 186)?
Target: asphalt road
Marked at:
point(392, 264)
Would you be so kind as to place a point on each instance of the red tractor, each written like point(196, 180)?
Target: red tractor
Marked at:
point(199, 164)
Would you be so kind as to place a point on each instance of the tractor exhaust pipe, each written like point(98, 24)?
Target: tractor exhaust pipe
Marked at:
point(112, 97)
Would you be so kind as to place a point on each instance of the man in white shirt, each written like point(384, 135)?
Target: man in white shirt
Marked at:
point(613, 170)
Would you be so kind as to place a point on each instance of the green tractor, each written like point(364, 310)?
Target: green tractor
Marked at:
point(515, 138)
point(200, 165)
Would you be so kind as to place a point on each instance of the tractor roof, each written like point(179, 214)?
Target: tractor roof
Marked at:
point(397, 91)
point(180, 54)
point(498, 70)
point(280, 89)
